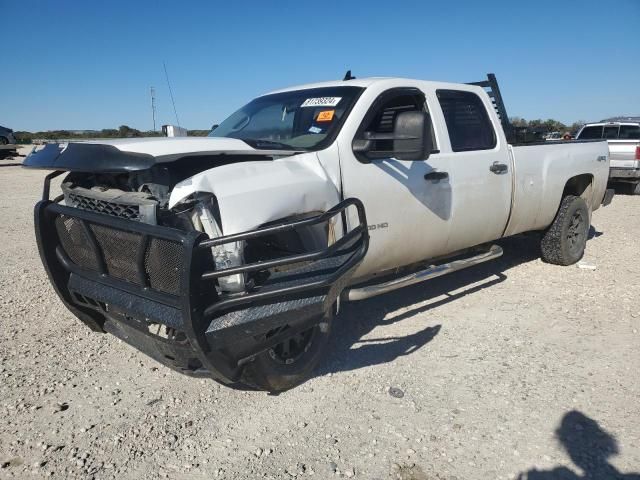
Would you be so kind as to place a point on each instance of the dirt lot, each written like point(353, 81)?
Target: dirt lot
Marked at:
point(515, 368)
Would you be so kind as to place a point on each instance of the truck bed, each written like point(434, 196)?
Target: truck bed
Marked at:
point(542, 170)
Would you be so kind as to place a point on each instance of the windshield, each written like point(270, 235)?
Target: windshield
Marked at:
point(296, 120)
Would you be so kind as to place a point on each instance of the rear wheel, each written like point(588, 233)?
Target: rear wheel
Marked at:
point(290, 362)
point(565, 240)
point(635, 188)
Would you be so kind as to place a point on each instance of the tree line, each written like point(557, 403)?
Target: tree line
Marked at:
point(545, 126)
point(123, 131)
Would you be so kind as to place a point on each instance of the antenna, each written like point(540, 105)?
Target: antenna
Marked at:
point(153, 107)
point(348, 76)
point(171, 93)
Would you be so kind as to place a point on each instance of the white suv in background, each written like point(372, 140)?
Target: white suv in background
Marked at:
point(623, 137)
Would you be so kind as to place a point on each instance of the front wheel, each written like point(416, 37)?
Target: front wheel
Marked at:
point(290, 362)
point(563, 243)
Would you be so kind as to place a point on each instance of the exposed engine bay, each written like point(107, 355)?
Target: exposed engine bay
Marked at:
point(145, 195)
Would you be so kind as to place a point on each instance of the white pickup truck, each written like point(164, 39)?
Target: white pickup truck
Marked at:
point(228, 256)
point(623, 136)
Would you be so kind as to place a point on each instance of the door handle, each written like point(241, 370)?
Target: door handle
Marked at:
point(497, 167)
point(435, 175)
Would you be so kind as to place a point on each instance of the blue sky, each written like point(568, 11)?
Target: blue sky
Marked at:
point(89, 64)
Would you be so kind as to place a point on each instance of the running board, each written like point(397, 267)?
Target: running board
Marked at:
point(433, 271)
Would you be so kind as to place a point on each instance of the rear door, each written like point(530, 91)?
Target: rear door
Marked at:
point(480, 168)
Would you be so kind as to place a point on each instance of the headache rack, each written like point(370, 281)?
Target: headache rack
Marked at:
point(493, 90)
point(129, 278)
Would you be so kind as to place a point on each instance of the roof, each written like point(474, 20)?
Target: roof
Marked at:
point(632, 119)
point(370, 81)
point(356, 82)
point(612, 122)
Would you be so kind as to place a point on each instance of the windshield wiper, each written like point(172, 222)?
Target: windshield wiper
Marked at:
point(259, 143)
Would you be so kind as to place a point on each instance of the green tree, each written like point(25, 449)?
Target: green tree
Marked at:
point(125, 131)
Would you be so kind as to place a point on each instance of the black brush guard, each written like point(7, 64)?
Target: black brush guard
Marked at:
point(127, 278)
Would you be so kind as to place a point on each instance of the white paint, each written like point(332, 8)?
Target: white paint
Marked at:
point(253, 193)
point(418, 219)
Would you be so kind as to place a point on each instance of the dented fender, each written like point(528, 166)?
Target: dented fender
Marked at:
point(250, 194)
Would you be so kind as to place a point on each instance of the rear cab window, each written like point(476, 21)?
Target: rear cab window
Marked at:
point(590, 133)
point(467, 121)
point(611, 132)
point(629, 132)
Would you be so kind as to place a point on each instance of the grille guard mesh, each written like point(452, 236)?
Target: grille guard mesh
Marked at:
point(159, 272)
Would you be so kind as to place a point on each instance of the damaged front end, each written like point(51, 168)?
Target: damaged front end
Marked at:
point(169, 282)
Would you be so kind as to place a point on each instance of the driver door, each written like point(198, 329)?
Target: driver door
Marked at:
point(408, 203)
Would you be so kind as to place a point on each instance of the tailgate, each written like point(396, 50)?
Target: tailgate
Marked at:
point(622, 153)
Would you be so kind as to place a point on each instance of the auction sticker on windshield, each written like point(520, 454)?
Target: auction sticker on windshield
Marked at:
point(325, 115)
point(321, 102)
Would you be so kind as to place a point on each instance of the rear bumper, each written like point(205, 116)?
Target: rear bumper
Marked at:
point(624, 173)
point(131, 279)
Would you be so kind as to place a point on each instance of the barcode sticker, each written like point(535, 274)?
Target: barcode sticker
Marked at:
point(321, 102)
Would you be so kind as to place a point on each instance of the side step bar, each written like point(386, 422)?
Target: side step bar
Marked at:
point(433, 271)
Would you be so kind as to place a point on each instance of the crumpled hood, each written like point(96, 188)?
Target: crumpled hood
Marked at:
point(162, 147)
point(251, 194)
point(126, 155)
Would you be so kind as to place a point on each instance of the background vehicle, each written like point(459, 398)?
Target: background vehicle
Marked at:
point(228, 256)
point(623, 137)
point(553, 136)
point(6, 136)
point(173, 131)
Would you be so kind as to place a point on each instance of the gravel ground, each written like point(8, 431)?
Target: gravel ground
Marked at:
point(513, 369)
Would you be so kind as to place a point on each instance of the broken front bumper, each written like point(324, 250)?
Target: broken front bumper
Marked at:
point(130, 279)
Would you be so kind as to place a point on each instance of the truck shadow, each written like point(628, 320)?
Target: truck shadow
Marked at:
point(622, 188)
point(348, 351)
point(593, 233)
point(589, 446)
point(437, 198)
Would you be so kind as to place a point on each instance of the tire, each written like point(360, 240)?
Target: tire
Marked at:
point(635, 188)
point(563, 243)
point(274, 371)
point(4, 141)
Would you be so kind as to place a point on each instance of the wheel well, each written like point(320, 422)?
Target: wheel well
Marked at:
point(301, 240)
point(580, 186)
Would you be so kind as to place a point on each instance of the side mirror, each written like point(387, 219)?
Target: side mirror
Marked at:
point(412, 136)
point(411, 139)
point(214, 126)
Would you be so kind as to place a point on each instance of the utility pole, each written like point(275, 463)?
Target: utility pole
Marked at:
point(153, 107)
